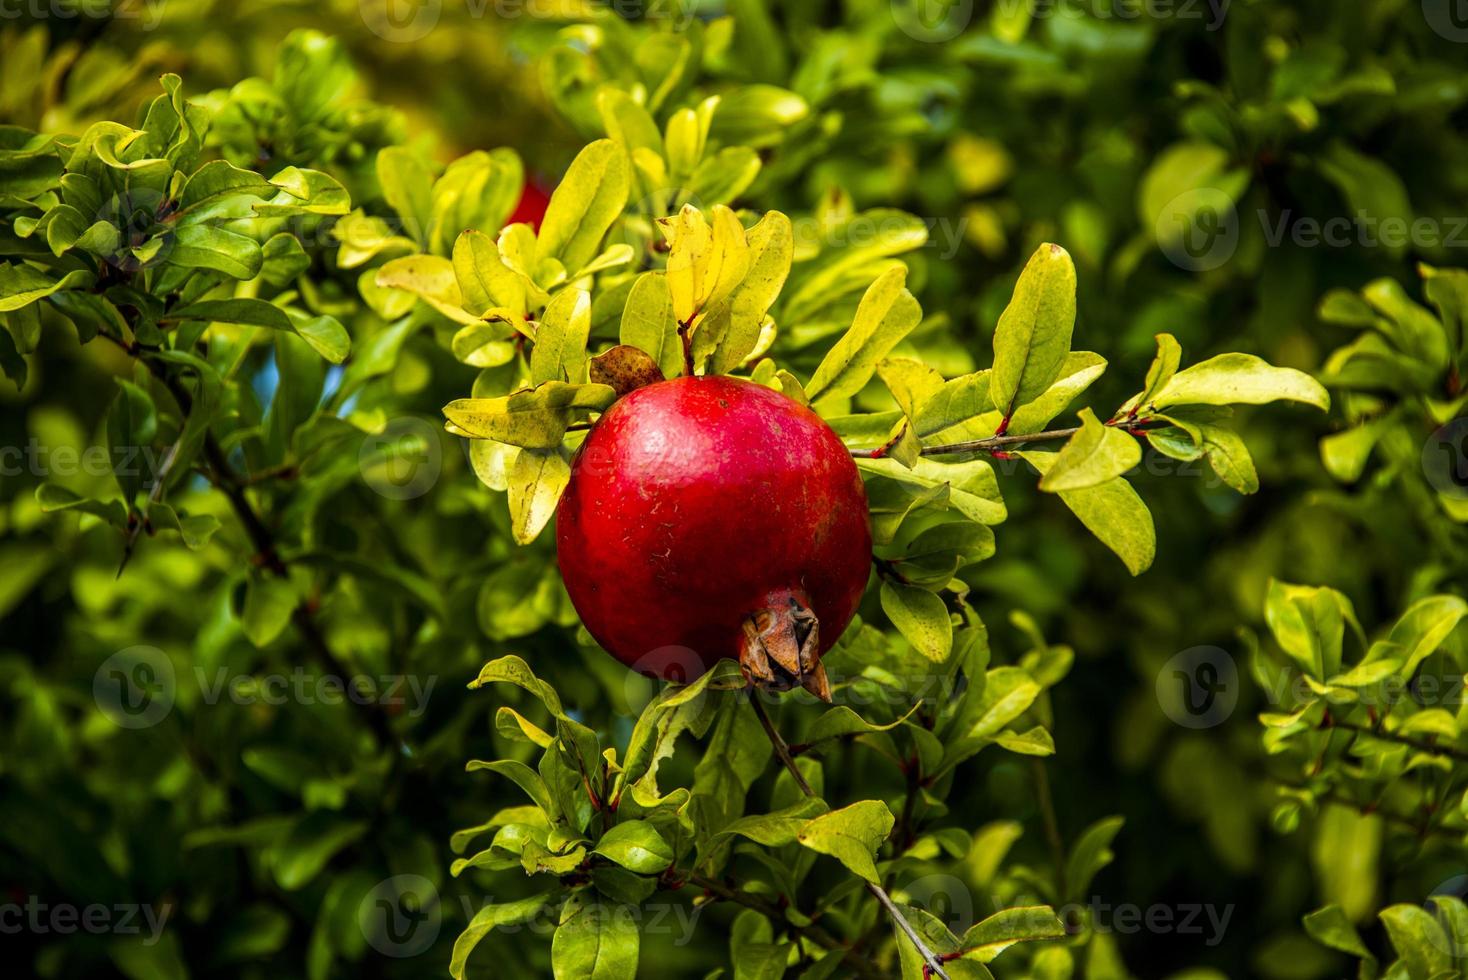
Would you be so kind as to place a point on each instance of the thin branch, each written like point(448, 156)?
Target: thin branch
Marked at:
point(933, 963)
point(1052, 824)
point(227, 482)
point(999, 442)
point(773, 912)
point(1421, 745)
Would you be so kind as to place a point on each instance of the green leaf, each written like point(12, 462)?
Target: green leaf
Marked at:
point(1008, 693)
point(1309, 624)
point(851, 835)
point(324, 333)
point(51, 497)
point(1113, 512)
point(1351, 884)
point(987, 939)
point(560, 340)
point(522, 775)
point(1240, 379)
point(431, 278)
point(476, 191)
point(596, 940)
point(1424, 627)
point(921, 617)
point(1418, 940)
point(887, 313)
point(1330, 927)
point(1226, 453)
point(1095, 455)
point(1033, 334)
point(485, 281)
point(971, 486)
point(780, 827)
point(649, 325)
point(489, 918)
point(1164, 366)
point(21, 285)
point(148, 957)
point(636, 846)
point(1091, 853)
point(957, 401)
point(533, 418)
point(407, 184)
point(269, 603)
point(589, 198)
point(513, 670)
point(303, 853)
point(207, 247)
point(536, 481)
point(1037, 741)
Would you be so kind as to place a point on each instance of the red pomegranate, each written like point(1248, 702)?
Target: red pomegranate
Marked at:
point(530, 209)
point(710, 517)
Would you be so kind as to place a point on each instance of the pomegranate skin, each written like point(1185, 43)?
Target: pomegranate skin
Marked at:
point(697, 502)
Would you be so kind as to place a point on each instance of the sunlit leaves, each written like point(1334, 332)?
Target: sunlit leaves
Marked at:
point(560, 340)
point(648, 322)
point(706, 260)
point(533, 418)
point(888, 313)
point(1094, 455)
point(1113, 512)
point(921, 617)
point(851, 835)
point(536, 480)
point(1033, 335)
point(1239, 379)
point(589, 198)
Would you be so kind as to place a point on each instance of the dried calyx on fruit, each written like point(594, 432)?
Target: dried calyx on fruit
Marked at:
point(711, 517)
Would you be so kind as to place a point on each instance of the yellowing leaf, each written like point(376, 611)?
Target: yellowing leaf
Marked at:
point(1094, 455)
point(533, 418)
point(1240, 379)
point(560, 340)
point(1113, 512)
point(588, 199)
point(887, 313)
point(431, 278)
point(537, 479)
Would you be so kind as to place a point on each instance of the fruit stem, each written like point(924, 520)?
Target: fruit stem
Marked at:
point(933, 964)
point(687, 338)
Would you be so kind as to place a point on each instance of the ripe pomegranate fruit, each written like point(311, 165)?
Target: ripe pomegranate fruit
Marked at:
point(711, 517)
